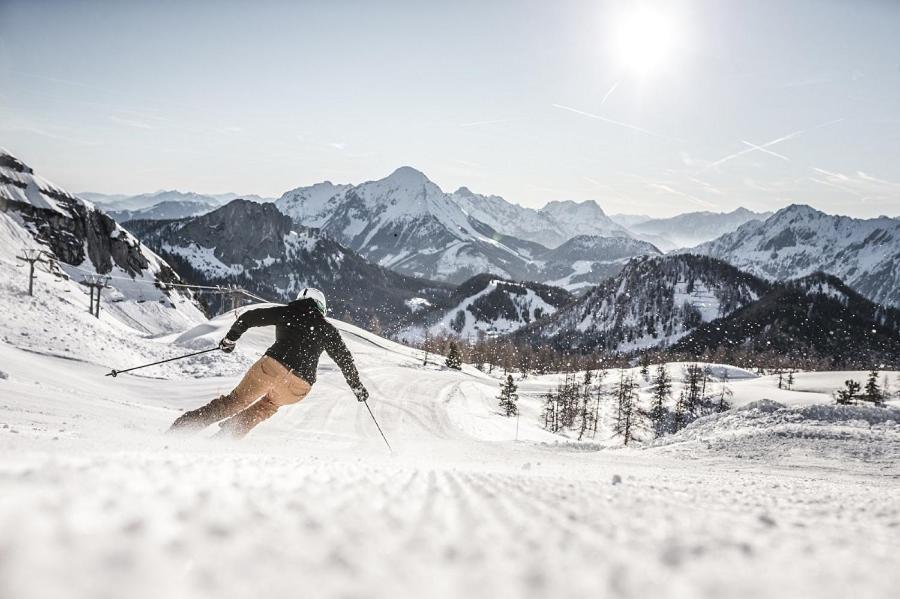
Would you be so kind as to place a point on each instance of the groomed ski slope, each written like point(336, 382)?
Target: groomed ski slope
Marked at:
point(95, 502)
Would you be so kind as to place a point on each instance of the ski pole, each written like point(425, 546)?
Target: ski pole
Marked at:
point(379, 427)
point(114, 373)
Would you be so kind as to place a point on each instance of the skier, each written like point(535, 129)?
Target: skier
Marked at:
point(287, 371)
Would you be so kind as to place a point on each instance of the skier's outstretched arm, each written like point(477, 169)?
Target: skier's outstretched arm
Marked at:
point(260, 317)
point(337, 351)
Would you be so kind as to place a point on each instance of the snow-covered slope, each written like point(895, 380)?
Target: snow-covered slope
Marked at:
point(82, 240)
point(799, 240)
point(652, 302)
point(692, 228)
point(311, 504)
point(486, 305)
point(276, 258)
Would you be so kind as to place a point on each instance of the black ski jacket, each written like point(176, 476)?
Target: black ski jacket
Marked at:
point(301, 333)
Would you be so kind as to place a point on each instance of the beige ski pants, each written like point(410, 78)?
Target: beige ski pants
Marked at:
point(267, 386)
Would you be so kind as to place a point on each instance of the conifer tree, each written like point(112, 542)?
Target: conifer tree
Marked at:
point(585, 409)
point(873, 391)
point(509, 397)
point(645, 366)
point(454, 358)
point(849, 393)
point(627, 410)
point(550, 412)
point(662, 390)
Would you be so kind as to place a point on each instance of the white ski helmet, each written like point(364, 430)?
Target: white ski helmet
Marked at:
point(316, 296)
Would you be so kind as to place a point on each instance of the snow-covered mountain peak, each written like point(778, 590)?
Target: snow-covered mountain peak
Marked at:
point(407, 175)
point(796, 212)
point(9, 161)
point(583, 218)
point(587, 208)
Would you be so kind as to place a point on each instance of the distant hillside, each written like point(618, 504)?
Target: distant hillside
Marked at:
point(692, 228)
point(652, 302)
point(814, 319)
point(486, 305)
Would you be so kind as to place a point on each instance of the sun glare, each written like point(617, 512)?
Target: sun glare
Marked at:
point(644, 39)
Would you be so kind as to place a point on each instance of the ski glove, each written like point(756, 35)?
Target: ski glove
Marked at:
point(361, 393)
point(226, 345)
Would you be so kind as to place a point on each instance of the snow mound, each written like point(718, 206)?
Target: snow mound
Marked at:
point(766, 428)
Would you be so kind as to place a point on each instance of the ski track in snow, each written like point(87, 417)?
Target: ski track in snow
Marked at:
point(94, 502)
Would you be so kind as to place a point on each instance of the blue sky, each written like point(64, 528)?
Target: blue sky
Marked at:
point(758, 103)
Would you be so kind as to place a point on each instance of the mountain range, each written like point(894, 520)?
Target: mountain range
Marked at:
point(405, 222)
point(798, 240)
point(143, 201)
point(689, 229)
point(699, 307)
point(275, 258)
point(400, 255)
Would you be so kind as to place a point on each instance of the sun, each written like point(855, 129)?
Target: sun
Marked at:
point(644, 39)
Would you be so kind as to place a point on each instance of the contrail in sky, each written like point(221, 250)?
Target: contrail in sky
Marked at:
point(767, 144)
point(609, 93)
point(762, 149)
point(612, 122)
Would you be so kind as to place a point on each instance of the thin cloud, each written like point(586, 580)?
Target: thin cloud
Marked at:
point(859, 184)
point(130, 122)
point(617, 123)
point(706, 186)
point(671, 190)
point(490, 122)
